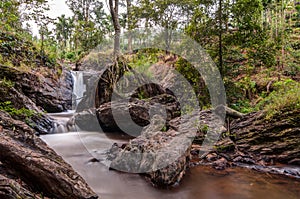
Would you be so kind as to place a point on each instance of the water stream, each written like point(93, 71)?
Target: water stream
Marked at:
point(79, 87)
point(199, 183)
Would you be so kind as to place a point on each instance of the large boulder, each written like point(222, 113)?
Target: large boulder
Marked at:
point(164, 156)
point(139, 111)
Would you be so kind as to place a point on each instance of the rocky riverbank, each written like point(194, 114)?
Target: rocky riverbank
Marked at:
point(28, 167)
point(247, 143)
point(246, 139)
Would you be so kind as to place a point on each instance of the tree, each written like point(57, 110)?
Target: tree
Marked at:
point(167, 14)
point(220, 37)
point(129, 23)
point(114, 11)
point(88, 17)
point(62, 31)
point(10, 17)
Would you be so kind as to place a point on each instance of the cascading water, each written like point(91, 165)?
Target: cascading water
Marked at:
point(64, 122)
point(79, 88)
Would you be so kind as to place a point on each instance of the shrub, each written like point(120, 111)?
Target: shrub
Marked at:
point(18, 113)
point(285, 97)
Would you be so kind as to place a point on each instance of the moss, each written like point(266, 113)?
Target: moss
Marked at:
point(6, 83)
point(203, 128)
point(225, 148)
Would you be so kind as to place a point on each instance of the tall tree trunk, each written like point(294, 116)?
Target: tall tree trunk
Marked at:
point(114, 11)
point(220, 38)
point(129, 24)
point(282, 33)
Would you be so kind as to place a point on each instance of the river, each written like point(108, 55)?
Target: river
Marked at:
point(200, 182)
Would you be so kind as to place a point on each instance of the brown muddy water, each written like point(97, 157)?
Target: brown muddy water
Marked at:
point(199, 183)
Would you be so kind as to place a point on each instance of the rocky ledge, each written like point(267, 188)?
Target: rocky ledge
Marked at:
point(30, 169)
point(53, 94)
point(259, 143)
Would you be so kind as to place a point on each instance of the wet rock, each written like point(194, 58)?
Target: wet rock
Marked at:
point(31, 160)
point(220, 164)
point(86, 120)
point(139, 110)
point(245, 160)
point(211, 157)
point(39, 121)
point(49, 92)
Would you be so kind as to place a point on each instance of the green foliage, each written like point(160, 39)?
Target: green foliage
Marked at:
point(6, 83)
point(164, 129)
point(141, 62)
point(263, 54)
point(285, 97)
point(18, 113)
point(17, 51)
point(203, 128)
point(71, 56)
point(243, 106)
point(192, 75)
point(9, 15)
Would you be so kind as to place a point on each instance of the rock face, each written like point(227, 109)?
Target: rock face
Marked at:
point(138, 109)
point(28, 157)
point(258, 143)
point(52, 94)
point(275, 139)
point(38, 121)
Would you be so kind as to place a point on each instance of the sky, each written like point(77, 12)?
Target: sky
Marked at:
point(57, 8)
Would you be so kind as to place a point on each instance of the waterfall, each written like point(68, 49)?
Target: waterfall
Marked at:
point(79, 88)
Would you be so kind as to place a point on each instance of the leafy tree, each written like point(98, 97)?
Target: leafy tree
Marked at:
point(88, 16)
point(9, 15)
